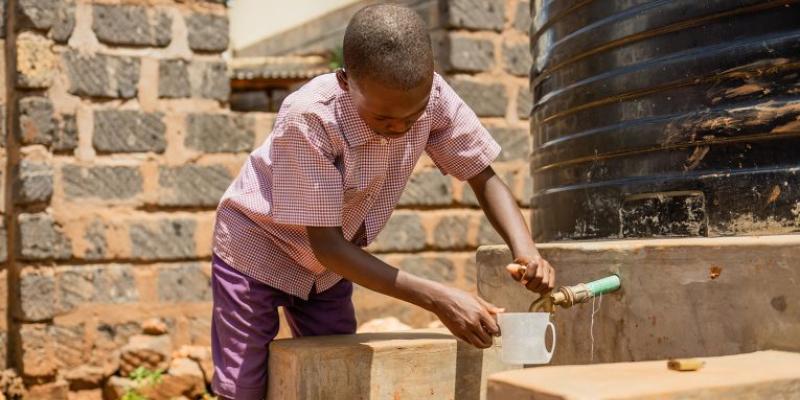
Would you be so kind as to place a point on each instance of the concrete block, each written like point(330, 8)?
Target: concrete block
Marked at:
point(131, 25)
point(128, 131)
point(427, 188)
point(36, 122)
point(36, 61)
point(403, 233)
point(99, 75)
point(474, 14)
point(40, 238)
point(207, 32)
point(219, 133)
point(760, 375)
point(487, 99)
point(420, 364)
point(106, 182)
point(192, 185)
point(679, 297)
point(465, 53)
point(167, 239)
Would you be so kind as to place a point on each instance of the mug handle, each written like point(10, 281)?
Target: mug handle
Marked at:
point(553, 346)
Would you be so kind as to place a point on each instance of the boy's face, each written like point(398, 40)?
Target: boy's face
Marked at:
point(387, 111)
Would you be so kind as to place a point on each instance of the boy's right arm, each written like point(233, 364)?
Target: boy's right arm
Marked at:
point(468, 317)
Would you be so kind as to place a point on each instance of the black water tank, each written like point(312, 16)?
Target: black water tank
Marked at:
point(665, 118)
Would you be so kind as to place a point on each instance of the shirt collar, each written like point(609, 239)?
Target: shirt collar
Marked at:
point(354, 129)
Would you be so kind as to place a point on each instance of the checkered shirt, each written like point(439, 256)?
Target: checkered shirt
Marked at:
point(322, 166)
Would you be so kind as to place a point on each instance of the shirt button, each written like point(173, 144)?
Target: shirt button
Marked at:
point(384, 141)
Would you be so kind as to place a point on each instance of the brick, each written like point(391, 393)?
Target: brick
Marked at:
point(192, 185)
point(513, 140)
point(99, 75)
point(64, 22)
point(70, 346)
point(431, 365)
point(115, 283)
point(34, 182)
point(487, 235)
point(103, 182)
point(522, 18)
point(198, 331)
point(469, 54)
point(128, 131)
point(36, 122)
point(75, 287)
point(475, 14)
point(435, 268)
point(524, 103)
point(486, 99)
point(36, 14)
point(95, 238)
point(66, 135)
point(41, 239)
point(173, 79)
point(427, 188)
point(163, 240)
point(209, 79)
point(403, 233)
point(35, 354)
point(517, 58)
point(183, 283)
point(36, 62)
point(131, 25)
point(36, 294)
point(207, 32)
point(451, 232)
point(219, 133)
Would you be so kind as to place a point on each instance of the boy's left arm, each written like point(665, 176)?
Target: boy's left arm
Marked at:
point(505, 216)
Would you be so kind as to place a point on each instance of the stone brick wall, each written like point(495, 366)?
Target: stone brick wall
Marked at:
point(120, 142)
point(120, 145)
point(482, 51)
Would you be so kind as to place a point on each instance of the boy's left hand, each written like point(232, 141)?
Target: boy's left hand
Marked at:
point(534, 272)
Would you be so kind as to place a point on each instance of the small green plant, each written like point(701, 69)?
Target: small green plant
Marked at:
point(336, 58)
point(142, 377)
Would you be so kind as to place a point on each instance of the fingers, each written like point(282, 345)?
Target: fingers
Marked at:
point(534, 275)
point(517, 271)
point(551, 283)
point(484, 338)
point(493, 309)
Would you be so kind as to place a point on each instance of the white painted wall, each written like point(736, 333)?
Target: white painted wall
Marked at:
point(252, 20)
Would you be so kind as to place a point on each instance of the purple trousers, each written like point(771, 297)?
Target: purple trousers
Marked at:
point(245, 320)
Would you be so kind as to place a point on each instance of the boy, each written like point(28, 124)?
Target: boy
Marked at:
point(291, 228)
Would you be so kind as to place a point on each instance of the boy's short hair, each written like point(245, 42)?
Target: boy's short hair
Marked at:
point(389, 44)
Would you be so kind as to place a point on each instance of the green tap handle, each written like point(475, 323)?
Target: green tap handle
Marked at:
point(605, 285)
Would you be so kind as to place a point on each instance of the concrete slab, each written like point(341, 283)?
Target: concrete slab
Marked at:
point(679, 297)
point(761, 375)
point(418, 364)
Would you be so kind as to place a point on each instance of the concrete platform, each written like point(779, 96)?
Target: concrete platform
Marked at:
point(679, 297)
point(420, 364)
point(761, 375)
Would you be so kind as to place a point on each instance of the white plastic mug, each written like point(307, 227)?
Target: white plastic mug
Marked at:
point(523, 337)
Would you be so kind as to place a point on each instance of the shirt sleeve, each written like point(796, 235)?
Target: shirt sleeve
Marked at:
point(458, 143)
point(307, 186)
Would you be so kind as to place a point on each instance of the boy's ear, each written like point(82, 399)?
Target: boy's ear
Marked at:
point(341, 77)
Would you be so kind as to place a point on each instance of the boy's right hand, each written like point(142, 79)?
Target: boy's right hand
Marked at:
point(467, 316)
